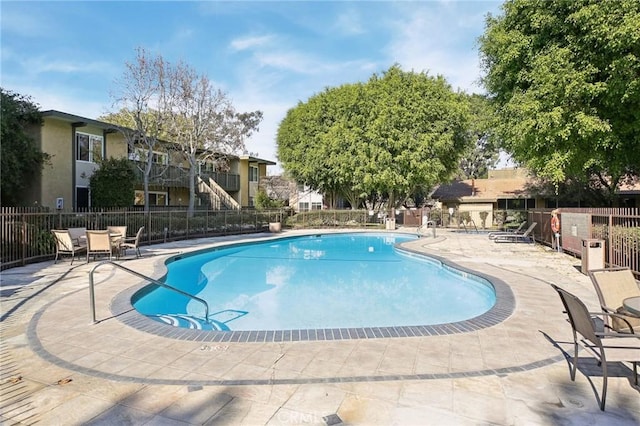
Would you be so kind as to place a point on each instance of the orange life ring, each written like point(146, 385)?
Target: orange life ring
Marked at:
point(555, 224)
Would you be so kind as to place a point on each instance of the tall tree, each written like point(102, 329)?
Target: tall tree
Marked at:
point(483, 153)
point(137, 96)
point(382, 139)
point(564, 79)
point(170, 105)
point(202, 120)
point(20, 159)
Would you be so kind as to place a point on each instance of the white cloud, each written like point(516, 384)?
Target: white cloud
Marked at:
point(244, 43)
point(425, 41)
point(42, 64)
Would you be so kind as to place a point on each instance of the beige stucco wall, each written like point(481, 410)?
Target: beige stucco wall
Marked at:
point(474, 211)
point(243, 171)
point(116, 146)
point(57, 178)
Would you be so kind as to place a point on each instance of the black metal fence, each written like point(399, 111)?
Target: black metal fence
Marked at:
point(26, 232)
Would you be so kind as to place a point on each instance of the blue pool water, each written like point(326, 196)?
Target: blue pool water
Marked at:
point(320, 281)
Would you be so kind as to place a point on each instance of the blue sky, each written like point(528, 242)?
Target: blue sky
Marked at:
point(266, 55)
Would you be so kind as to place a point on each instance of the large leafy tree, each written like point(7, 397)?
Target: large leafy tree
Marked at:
point(112, 184)
point(565, 79)
point(483, 153)
point(385, 138)
point(21, 160)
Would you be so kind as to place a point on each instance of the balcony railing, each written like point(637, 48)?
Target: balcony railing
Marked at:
point(175, 176)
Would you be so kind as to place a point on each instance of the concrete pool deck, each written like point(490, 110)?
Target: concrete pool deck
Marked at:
point(58, 368)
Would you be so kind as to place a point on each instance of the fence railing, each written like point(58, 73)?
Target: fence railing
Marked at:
point(26, 232)
point(26, 236)
point(177, 176)
point(619, 228)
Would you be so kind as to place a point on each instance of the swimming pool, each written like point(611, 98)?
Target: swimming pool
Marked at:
point(324, 281)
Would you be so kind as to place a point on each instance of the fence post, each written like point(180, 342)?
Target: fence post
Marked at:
point(187, 213)
point(23, 235)
point(609, 239)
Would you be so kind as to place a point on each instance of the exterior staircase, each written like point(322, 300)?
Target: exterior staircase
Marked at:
point(217, 197)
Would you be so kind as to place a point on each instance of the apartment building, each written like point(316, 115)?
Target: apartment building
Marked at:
point(77, 144)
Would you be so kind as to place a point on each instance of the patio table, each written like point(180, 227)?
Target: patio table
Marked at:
point(632, 305)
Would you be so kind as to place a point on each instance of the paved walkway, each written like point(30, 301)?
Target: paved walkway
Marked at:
point(58, 368)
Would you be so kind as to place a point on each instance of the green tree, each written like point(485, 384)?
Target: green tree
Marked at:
point(20, 159)
point(563, 76)
point(483, 154)
point(112, 184)
point(262, 201)
point(386, 138)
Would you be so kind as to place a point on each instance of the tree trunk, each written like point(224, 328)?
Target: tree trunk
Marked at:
point(192, 184)
point(147, 171)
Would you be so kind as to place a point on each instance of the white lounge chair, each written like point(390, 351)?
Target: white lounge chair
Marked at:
point(515, 238)
point(518, 230)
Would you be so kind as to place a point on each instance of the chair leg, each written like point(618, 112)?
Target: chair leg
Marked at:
point(604, 384)
point(56, 259)
point(575, 361)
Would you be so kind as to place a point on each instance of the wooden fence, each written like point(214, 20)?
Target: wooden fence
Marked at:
point(617, 228)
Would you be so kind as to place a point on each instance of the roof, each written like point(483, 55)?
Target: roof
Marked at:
point(253, 159)
point(80, 121)
point(83, 121)
point(483, 190)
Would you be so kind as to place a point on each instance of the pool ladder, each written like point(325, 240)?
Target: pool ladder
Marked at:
point(144, 277)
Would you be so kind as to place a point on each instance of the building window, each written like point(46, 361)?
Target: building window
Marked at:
point(316, 206)
point(88, 147)
point(156, 198)
point(253, 173)
point(206, 167)
point(303, 206)
point(516, 203)
point(157, 157)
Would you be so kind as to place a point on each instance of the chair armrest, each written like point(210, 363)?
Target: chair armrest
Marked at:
point(79, 242)
point(615, 315)
point(622, 335)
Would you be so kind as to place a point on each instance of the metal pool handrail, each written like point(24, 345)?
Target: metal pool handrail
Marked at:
point(92, 298)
